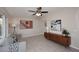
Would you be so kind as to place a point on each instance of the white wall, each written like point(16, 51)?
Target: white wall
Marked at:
point(70, 19)
point(38, 26)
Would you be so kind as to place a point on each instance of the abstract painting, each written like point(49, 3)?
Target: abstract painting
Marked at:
point(26, 24)
point(56, 25)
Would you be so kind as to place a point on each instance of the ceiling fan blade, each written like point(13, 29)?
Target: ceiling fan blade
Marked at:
point(31, 11)
point(44, 11)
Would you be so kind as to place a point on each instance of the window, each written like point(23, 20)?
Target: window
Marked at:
point(1, 26)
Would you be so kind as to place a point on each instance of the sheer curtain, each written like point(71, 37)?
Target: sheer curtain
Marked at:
point(2, 29)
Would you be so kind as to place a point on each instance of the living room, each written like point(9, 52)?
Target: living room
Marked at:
point(32, 36)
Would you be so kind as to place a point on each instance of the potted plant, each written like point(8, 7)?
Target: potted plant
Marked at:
point(65, 32)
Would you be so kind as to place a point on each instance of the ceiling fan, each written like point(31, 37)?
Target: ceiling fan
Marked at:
point(38, 11)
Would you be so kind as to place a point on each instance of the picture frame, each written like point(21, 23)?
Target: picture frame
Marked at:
point(26, 24)
point(56, 25)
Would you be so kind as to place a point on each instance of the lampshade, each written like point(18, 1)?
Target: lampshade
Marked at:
point(13, 25)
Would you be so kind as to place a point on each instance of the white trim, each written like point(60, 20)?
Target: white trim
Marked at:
point(25, 35)
point(74, 47)
point(6, 27)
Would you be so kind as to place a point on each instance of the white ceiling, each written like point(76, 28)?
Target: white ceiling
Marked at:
point(23, 11)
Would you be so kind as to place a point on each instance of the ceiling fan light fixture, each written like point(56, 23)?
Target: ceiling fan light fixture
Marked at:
point(38, 11)
point(38, 14)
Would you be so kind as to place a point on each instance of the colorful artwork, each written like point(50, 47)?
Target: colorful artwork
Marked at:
point(24, 24)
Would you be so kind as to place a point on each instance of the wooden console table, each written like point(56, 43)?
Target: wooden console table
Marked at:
point(64, 40)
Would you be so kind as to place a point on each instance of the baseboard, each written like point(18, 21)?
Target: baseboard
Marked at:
point(74, 47)
point(24, 35)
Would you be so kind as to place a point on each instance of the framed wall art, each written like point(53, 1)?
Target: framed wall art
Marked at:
point(26, 24)
point(56, 25)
